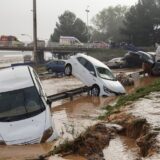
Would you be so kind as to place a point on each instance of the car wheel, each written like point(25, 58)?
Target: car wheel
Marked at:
point(95, 91)
point(68, 70)
point(50, 70)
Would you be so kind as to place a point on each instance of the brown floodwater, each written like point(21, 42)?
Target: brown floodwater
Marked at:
point(121, 148)
point(23, 152)
point(148, 108)
point(70, 157)
point(70, 117)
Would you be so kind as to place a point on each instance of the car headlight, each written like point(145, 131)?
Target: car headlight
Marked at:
point(107, 90)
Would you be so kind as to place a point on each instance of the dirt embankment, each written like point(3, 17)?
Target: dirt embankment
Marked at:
point(139, 130)
point(91, 143)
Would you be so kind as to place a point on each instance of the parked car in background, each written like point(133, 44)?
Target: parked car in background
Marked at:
point(118, 62)
point(17, 44)
point(10, 41)
point(55, 66)
point(98, 44)
point(94, 74)
point(25, 117)
point(69, 41)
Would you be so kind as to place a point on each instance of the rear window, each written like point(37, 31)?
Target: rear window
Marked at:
point(20, 104)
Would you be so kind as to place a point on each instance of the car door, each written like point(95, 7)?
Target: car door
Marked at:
point(61, 66)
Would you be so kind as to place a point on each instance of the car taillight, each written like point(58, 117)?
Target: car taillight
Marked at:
point(46, 134)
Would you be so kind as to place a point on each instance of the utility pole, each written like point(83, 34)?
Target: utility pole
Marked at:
point(35, 32)
point(87, 11)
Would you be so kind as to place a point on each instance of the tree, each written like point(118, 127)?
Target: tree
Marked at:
point(69, 25)
point(142, 23)
point(108, 23)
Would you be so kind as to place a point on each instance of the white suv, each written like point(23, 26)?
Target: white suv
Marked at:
point(25, 117)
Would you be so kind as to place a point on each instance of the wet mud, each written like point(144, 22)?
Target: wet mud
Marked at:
point(89, 144)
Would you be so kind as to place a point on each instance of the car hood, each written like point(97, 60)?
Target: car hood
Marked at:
point(28, 131)
point(114, 86)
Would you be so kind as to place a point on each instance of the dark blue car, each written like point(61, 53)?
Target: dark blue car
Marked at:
point(55, 66)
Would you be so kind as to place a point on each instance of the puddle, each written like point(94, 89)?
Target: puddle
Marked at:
point(121, 148)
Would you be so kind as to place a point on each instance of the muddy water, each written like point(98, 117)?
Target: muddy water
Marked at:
point(23, 152)
point(71, 157)
point(121, 148)
point(148, 108)
point(69, 117)
point(142, 82)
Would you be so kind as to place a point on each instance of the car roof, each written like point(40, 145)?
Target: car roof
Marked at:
point(14, 78)
point(94, 61)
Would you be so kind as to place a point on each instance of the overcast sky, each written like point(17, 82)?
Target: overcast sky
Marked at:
point(16, 15)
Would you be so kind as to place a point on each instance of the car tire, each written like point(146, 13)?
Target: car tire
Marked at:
point(95, 90)
point(50, 70)
point(68, 70)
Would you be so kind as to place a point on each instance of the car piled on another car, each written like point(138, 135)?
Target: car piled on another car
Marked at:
point(94, 74)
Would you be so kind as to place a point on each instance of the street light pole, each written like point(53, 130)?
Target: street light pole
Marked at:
point(35, 32)
point(87, 11)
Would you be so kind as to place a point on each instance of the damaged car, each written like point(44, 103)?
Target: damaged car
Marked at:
point(25, 116)
point(94, 74)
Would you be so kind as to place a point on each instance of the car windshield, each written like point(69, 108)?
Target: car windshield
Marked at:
point(20, 104)
point(105, 73)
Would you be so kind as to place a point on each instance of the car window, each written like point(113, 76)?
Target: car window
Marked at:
point(82, 60)
point(20, 104)
point(88, 65)
point(51, 62)
point(61, 62)
point(105, 73)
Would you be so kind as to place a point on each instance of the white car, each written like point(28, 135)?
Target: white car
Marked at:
point(94, 74)
point(25, 117)
point(116, 63)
